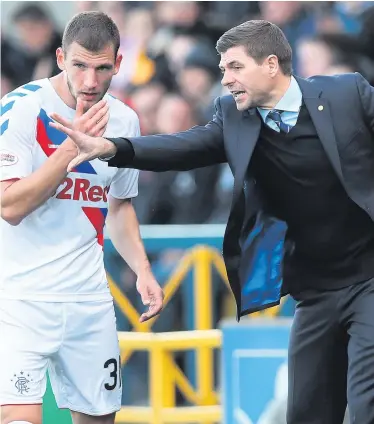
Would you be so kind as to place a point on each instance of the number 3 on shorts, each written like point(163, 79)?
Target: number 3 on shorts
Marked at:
point(115, 373)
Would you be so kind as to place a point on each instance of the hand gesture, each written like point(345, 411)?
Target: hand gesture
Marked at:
point(151, 295)
point(88, 147)
point(93, 122)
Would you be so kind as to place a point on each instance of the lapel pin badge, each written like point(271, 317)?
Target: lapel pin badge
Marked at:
point(320, 107)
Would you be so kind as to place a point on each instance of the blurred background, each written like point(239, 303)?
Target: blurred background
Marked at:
point(169, 76)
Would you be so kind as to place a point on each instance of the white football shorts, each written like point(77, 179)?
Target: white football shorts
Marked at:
point(76, 342)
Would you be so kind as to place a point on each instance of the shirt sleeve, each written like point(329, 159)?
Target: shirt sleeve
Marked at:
point(17, 139)
point(125, 182)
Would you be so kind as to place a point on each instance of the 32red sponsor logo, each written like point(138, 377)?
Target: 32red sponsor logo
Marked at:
point(81, 189)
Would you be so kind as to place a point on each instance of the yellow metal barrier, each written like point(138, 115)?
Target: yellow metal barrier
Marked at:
point(166, 376)
point(202, 259)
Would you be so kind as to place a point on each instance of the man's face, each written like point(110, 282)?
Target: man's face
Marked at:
point(88, 74)
point(249, 82)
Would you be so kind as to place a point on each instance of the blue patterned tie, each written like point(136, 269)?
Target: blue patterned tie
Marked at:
point(276, 116)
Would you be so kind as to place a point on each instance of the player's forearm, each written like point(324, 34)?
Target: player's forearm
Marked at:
point(124, 232)
point(27, 194)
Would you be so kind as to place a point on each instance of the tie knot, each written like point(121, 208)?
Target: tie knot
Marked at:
point(275, 115)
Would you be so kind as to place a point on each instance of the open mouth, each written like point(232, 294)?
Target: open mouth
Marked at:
point(238, 94)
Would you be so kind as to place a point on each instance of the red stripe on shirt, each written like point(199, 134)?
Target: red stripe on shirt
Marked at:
point(97, 219)
point(42, 138)
point(94, 215)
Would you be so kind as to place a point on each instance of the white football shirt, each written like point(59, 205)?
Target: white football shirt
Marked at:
point(55, 253)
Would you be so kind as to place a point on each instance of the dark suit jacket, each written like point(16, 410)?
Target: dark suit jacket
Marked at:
point(342, 110)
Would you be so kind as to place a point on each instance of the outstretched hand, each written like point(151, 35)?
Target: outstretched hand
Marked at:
point(88, 147)
point(85, 130)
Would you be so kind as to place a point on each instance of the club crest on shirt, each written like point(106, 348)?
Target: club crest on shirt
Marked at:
point(7, 158)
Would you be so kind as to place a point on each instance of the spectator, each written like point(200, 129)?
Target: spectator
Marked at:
point(293, 17)
point(13, 66)
point(307, 50)
point(197, 78)
point(180, 197)
point(39, 41)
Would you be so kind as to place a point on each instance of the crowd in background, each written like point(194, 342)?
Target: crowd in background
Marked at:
point(170, 74)
point(170, 77)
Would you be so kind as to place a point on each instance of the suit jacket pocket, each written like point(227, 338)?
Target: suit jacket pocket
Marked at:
point(352, 142)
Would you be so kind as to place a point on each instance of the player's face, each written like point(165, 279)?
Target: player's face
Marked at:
point(88, 74)
point(249, 82)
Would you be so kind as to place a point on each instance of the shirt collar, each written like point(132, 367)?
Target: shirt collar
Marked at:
point(290, 102)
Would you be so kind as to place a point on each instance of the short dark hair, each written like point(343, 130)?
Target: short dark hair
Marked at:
point(92, 30)
point(261, 39)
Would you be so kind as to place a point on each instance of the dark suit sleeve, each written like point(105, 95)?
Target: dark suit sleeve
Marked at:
point(195, 148)
point(366, 92)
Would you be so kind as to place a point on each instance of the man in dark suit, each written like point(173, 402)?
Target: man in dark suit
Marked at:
point(301, 222)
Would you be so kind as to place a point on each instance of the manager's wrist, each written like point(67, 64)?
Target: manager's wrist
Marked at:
point(110, 150)
point(124, 152)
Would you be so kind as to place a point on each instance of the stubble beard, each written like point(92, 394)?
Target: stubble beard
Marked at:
point(74, 95)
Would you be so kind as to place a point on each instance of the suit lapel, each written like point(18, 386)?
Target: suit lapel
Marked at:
point(247, 136)
point(320, 114)
point(247, 132)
